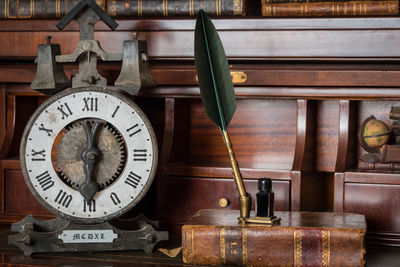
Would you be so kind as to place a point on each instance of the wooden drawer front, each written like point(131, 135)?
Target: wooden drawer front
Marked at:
point(379, 202)
point(18, 200)
point(182, 197)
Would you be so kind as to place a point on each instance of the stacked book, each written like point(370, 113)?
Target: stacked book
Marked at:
point(51, 9)
point(329, 8)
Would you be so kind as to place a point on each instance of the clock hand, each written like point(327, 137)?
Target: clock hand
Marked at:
point(90, 155)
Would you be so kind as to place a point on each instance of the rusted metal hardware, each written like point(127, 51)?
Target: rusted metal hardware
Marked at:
point(50, 76)
point(135, 73)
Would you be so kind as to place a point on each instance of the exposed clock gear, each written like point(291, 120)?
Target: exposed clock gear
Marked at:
point(71, 142)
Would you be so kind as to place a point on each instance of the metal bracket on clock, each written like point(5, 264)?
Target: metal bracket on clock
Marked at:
point(50, 77)
point(59, 235)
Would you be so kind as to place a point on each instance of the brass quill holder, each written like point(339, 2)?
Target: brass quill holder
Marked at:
point(244, 197)
point(219, 101)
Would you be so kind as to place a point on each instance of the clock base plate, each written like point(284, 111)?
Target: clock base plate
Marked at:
point(59, 235)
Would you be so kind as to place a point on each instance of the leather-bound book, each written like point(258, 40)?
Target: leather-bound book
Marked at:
point(263, 2)
point(38, 9)
point(214, 237)
point(331, 9)
point(182, 8)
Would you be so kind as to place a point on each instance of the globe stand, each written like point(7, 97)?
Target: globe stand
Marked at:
point(371, 157)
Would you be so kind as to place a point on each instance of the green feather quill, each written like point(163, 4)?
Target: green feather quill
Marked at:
point(217, 92)
point(215, 81)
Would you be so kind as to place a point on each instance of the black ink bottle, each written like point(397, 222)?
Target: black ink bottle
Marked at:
point(265, 198)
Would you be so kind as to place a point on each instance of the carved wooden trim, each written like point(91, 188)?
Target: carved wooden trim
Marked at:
point(343, 136)
point(301, 134)
point(338, 195)
point(9, 125)
point(295, 188)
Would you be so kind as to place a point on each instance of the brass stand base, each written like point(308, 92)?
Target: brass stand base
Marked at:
point(371, 157)
point(261, 220)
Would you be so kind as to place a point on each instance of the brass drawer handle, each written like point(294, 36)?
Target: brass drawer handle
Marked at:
point(223, 202)
point(237, 77)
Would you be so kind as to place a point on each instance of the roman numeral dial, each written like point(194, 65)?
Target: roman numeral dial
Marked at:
point(119, 148)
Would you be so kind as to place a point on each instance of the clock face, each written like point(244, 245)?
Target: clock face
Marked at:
point(55, 144)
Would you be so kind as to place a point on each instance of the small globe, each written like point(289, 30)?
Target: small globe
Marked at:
point(374, 134)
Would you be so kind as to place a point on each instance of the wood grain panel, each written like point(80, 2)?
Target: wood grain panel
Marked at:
point(379, 202)
point(18, 200)
point(183, 197)
point(327, 126)
point(263, 134)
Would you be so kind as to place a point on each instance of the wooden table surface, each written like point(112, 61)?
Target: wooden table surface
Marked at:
point(377, 256)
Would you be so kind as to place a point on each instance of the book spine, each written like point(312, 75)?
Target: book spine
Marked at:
point(264, 2)
point(42, 9)
point(353, 8)
point(170, 8)
point(212, 245)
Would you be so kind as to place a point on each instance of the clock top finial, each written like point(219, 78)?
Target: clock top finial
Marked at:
point(79, 11)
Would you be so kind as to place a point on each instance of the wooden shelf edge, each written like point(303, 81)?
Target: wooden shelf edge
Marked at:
point(190, 170)
point(9, 219)
point(383, 238)
point(372, 177)
point(11, 164)
point(221, 23)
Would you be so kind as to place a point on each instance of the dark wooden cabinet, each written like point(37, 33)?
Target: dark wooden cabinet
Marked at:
point(308, 85)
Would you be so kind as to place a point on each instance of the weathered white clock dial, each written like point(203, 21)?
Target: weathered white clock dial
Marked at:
point(55, 140)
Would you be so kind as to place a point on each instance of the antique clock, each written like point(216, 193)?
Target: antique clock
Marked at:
point(88, 154)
